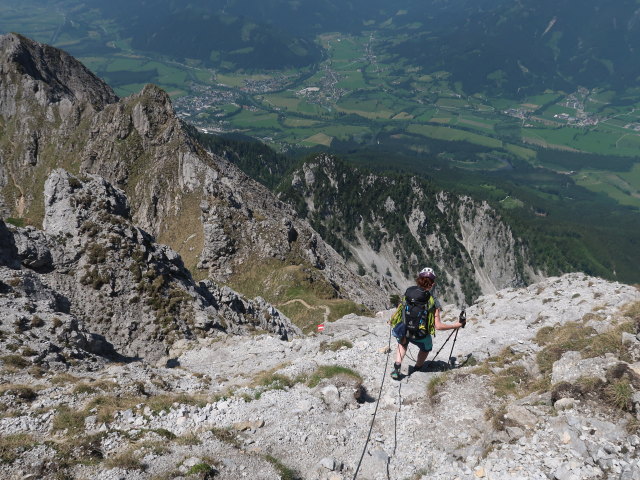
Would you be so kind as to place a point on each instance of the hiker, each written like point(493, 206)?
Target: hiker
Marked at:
point(420, 304)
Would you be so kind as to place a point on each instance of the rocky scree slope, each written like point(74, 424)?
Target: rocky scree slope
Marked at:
point(219, 220)
point(114, 280)
point(547, 388)
point(392, 226)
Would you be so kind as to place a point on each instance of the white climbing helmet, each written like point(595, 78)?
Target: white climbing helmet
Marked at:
point(427, 272)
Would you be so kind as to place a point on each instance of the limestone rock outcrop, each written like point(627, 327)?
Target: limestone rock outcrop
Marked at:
point(117, 281)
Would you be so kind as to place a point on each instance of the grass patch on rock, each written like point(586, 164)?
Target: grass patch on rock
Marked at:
point(330, 371)
point(79, 449)
point(285, 472)
point(619, 393)
point(496, 417)
point(335, 345)
point(21, 392)
point(226, 435)
point(69, 420)
point(435, 386)
point(202, 470)
point(63, 379)
point(574, 336)
point(126, 460)
point(11, 446)
point(15, 361)
point(188, 439)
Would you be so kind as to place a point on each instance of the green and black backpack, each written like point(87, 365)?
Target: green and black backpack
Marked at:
point(418, 312)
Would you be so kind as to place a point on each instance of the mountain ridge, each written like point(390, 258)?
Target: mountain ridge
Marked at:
point(200, 204)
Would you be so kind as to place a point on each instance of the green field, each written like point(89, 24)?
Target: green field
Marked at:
point(594, 141)
point(453, 134)
point(259, 120)
point(615, 186)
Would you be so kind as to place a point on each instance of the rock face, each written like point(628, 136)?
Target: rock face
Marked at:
point(53, 76)
point(305, 407)
point(215, 217)
point(117, 281)
point(391, 227)
point(38, 329)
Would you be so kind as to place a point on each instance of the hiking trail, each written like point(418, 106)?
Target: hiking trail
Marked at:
point(327, 310)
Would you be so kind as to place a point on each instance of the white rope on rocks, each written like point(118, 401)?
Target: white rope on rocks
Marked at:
point(384, 375)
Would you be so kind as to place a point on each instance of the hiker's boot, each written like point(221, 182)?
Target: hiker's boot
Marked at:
point(395, 373)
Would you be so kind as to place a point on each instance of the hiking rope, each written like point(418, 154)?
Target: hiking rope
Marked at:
point(386, 364)
point(395, 428)
point(407, 353)
point(395, 421)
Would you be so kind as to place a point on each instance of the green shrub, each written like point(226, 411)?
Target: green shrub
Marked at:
point(96, 253)
point(203, 469)
point(16, 222)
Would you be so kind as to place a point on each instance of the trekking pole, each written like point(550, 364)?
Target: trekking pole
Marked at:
point(452, 346)
point(463, 320)
point(442, 346)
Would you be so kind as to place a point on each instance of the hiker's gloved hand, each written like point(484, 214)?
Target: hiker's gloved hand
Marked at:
point(463, 318)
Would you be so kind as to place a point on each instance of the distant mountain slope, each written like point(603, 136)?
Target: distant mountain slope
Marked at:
point(490, 46)
point(529, 46)
point(205, 32)
point(391, 226)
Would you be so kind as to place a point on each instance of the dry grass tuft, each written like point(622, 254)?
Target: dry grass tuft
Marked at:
point(435, 385)
point(11, 446)
point(126, 460)
point(226, 435)
point(335, 345)
point(22, 392)
point(71, 421)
